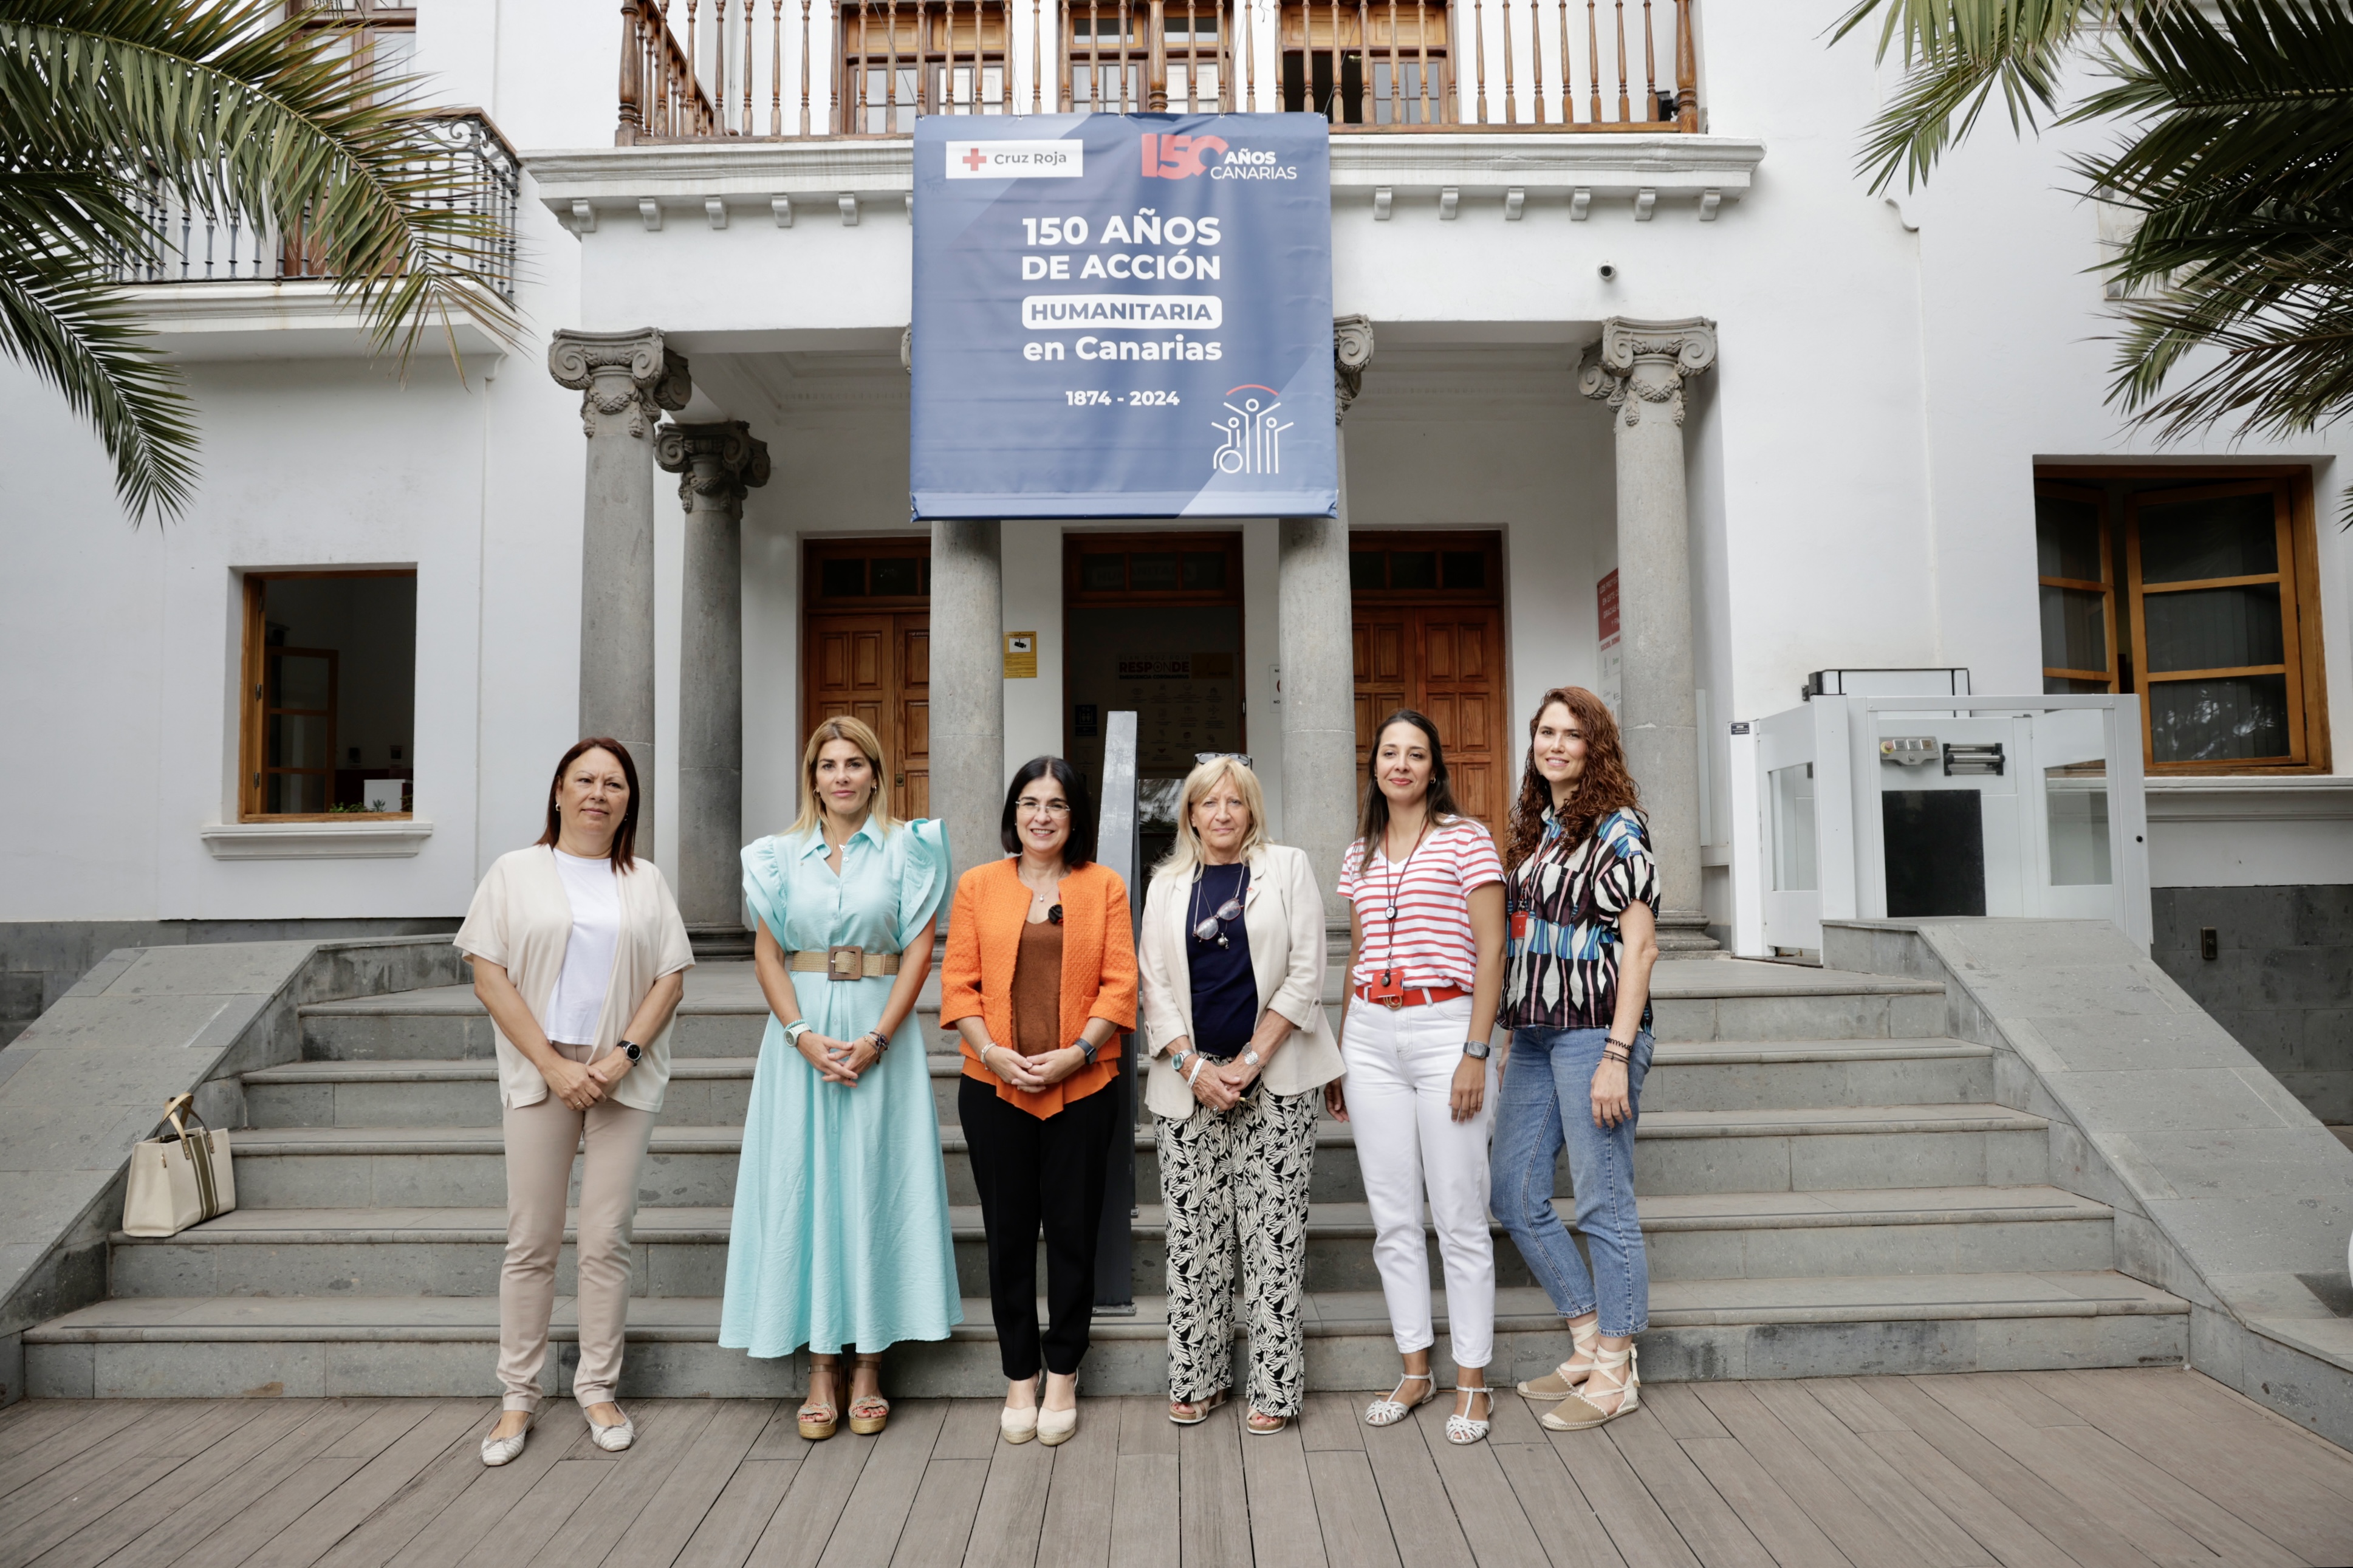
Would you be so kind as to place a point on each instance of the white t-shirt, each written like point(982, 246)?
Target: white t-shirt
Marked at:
point(579, 1000)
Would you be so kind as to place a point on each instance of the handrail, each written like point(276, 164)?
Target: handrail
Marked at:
point(1382, 67)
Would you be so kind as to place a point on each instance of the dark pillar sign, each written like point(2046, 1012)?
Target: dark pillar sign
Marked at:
point(1123, 316)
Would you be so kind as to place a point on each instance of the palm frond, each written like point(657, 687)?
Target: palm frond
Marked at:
point(1956, 54)
point(75, 332)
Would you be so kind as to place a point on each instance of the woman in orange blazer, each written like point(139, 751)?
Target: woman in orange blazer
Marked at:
point(1040, 981)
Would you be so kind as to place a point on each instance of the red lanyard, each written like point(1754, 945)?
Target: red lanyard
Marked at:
point(1389, 984)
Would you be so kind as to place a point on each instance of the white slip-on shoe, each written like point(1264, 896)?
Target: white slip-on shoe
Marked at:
point(497, 1451)
point(1055, 1426)
point(613, 1439)
point(1019, 1425)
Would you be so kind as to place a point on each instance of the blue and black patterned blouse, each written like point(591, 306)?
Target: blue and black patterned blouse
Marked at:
point(1565, 900)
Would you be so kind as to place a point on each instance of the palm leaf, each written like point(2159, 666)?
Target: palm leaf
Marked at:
point(232, 107)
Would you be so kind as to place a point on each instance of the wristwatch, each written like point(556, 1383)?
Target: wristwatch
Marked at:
point(631, 1049)
point(794, 1030)
point(1475, 1049)
point(1176, 1062)
point(1251, 1059)
point(1087, 1049)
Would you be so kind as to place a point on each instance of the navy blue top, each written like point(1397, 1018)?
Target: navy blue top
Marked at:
point(1225, 991)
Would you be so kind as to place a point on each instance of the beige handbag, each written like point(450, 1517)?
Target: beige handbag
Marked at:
point(180, 1179)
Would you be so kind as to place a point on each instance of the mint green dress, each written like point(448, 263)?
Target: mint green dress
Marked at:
point(842, 1235)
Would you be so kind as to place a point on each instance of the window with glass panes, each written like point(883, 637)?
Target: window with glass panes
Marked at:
point(1367, 62)
point(330, 694)
point(1107, 46)
point(901, 60)
point(2196, 594)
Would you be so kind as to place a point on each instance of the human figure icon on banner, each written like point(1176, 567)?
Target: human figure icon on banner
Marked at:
point(1254, 436)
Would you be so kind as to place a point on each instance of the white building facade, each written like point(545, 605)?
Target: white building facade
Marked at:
point(1877, 438)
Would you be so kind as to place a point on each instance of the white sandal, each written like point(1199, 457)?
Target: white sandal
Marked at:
point(1578, 1412)
point(1557, 1383)
point(1388, 1411)
point(1462, 1429)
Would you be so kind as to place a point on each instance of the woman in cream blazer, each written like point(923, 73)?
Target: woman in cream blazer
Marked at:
point(1231, 962)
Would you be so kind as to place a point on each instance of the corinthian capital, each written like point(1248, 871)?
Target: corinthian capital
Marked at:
point(620, 374)
point(1352, 351)
point(719, 463)
point(1646, 360)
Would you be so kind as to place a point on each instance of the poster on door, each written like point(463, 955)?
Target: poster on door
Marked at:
point(1122, 316)
point(1612, 666)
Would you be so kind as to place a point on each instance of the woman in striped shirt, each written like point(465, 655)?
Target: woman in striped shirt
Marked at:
point(1426, 966)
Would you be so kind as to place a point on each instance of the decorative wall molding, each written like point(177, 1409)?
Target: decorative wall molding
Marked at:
point(1692, 176)
point(376, 840)
point(2284, 797)
point(250, 320)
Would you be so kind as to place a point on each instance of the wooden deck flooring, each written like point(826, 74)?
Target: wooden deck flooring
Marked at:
point(2106, 1469)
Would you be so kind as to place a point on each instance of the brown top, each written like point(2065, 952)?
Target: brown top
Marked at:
point(1037, 990)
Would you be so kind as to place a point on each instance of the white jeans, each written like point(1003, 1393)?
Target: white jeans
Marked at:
point(1399, 1090)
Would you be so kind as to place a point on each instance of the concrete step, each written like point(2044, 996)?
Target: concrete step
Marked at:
point(349, 1346)
point(715, 1090)
point(725, 1014)
point(683, 1251)
point(1675, 1152)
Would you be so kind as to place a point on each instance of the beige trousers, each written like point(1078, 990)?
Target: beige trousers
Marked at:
point(541, 1140)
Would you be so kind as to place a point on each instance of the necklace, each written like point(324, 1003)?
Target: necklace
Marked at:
point(1397, 878)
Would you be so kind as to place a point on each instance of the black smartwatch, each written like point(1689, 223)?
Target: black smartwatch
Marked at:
point(631, 1049)
point(1087, 1049)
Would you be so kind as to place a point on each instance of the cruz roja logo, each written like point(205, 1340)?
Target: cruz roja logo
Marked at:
point(1252, 436)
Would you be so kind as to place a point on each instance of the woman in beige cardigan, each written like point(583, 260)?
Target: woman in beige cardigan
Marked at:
point(1231, 965)
point(580, 958)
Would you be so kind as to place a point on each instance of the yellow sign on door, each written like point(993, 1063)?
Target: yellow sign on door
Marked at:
point(1021, 656)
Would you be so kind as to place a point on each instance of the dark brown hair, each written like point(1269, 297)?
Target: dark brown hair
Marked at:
point(1372, 820)
point(625, 842)
point(1604, 787)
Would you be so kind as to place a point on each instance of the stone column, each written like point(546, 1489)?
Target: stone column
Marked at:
point(967, 688)
point(1318, 649)
point(717, 465)
point(1639, 368)
point(626, 380)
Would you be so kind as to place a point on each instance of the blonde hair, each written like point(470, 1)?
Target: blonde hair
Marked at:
point(878, 805)
point(1187, 855)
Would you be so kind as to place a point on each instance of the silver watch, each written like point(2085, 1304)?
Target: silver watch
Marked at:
point(1475, 1049)
point(1251, 1059)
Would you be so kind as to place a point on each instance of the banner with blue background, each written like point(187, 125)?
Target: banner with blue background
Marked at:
point(1123, 316)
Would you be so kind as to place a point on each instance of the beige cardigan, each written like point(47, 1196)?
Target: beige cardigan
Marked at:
point(521, 919)
point(1282, 914)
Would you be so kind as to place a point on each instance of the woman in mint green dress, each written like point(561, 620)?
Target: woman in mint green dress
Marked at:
point(840, 1238)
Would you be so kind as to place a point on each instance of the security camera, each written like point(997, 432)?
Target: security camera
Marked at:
point(1608, 272)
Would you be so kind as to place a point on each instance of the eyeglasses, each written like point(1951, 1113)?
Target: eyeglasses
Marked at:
point(1206, 930)
point(1242, 757)
point(1054, 915)
point(1027, 807)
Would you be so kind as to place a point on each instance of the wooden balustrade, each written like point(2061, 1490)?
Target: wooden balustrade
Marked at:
point(1367, 65)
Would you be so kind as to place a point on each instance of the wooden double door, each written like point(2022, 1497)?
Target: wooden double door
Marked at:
point(876, 667)
point(1427, 615)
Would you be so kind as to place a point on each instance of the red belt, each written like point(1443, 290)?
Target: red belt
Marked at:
point(1413, 997)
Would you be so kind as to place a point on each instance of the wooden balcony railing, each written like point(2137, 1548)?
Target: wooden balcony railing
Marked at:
point(693, 70)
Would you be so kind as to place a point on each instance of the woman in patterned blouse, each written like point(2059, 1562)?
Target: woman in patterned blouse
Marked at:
point(1584, 896)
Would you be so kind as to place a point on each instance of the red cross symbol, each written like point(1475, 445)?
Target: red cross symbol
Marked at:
point(975, 159)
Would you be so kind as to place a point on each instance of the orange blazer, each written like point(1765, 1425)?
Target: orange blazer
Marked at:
point(1098, 970)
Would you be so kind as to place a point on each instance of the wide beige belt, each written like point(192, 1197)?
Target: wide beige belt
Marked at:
point(843, 962)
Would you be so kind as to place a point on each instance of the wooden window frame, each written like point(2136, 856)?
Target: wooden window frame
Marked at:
point(1076, 544)
point(1444, 540)
point(2301, 630)
point(939, 36)
point(253, 725)
point(2105, 588)
point(815, 553)
point(1130, 60)
point(1373, 31)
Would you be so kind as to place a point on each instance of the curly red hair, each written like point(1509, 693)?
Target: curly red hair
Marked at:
point(1604, 787)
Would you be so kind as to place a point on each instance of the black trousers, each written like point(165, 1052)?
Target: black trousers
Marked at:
point(1033, 1173)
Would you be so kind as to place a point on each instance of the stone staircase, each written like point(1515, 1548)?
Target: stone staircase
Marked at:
point(1826, 1184)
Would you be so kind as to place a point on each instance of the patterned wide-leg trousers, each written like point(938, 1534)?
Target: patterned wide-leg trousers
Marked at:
point(1237, 1181)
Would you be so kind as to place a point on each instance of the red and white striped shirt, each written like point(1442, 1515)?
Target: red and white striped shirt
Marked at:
point(1429, 938)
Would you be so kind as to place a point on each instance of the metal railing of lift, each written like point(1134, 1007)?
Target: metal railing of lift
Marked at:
point(472, 170)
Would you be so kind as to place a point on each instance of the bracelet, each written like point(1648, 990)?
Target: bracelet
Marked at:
point(794, 1030)
point(1195, 1076)
point(881, 1041)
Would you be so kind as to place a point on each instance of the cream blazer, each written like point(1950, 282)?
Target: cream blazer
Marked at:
point(521, 919)
point(1282, 914)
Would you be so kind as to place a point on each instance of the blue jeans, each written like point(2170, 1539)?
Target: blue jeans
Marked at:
point(1547, 1099)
